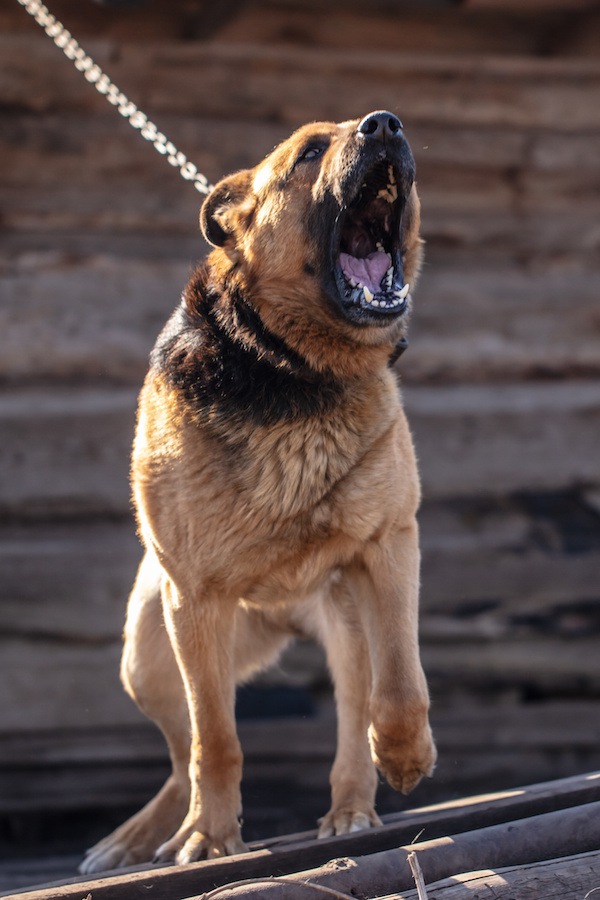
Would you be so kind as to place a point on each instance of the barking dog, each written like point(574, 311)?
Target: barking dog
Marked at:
point(276, 487)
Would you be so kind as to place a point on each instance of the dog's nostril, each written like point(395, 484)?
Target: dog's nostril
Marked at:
point(380, 125)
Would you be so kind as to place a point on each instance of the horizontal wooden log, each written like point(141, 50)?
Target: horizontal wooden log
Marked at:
point(98, 318)
point(50, 680)
point(479, 187)
point(571, 878)
point(479, 325)
point(514, 843)
point(500, 438)
point(52, 684)
point(91, 320)
point(67, 451)
point(552, 726)
point(493, 563)
point(520, 842)
point(295, 85)
point(460, 158)
point(67, 582)
point(478, 26)
point(548, 665)
point(487, 747)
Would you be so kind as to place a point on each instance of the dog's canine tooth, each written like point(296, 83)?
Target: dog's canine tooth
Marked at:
point(389, 193)
point(368, 295)
point(404, 291)
point(391, 177)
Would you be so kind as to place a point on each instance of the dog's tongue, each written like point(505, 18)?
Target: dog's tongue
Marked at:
point(368, 271)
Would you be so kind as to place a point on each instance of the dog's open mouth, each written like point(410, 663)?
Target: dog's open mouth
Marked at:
point(368, 268)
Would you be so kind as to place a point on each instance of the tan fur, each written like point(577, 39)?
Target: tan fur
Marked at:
point(305, 527)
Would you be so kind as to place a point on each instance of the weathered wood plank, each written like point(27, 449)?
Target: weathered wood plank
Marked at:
point(479, 325)
point(481, 747)
point(67, 451)
point(550, 726)
point(518, 842)
point(93, 319)
point(491, 571)
point(46, 684)
point(463, 30)
point(571, 878)
point(67, 582)
point(292, 85)
point(481, 26)
point(483, 575)
point(99, 317)
point(105, 149)
point(549, 664)
point(496, 438)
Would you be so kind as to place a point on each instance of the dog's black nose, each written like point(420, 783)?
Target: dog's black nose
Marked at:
point(380, 125)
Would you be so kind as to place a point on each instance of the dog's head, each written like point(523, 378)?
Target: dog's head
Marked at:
point(325, 230)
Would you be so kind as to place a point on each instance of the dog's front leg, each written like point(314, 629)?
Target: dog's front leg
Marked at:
point(401, 742)
point(353, 777)
point(202, 631)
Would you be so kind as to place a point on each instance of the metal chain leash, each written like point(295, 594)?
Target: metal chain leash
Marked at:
point(94, 74)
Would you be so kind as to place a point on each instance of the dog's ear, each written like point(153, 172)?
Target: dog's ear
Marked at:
point(228, 208)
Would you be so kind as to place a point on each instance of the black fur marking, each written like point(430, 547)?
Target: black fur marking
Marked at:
point(216, 350)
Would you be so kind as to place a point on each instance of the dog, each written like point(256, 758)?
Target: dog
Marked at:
point(276, 486)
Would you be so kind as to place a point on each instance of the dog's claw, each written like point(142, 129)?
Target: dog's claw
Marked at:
point(346, 821)
point(191, 845)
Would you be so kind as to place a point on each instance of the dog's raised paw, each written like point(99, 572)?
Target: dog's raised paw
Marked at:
point(403, 755)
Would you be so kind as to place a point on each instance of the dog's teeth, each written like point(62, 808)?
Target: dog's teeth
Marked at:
point(386, 194)
point(391, 178)
point(404, 291)
point(368, 295)
point(388, 277)
point(379, 246)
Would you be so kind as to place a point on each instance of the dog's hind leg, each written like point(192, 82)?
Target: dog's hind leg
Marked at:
point(353, 777)
point(150, 675)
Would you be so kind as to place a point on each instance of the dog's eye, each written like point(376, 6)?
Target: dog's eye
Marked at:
point(311, 153)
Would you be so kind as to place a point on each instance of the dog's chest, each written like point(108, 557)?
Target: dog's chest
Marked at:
point(299, 474)
point(316, 517)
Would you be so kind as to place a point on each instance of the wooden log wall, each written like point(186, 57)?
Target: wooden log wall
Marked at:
point(501, 382)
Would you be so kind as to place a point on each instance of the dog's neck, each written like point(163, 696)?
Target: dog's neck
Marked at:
point(216, 350)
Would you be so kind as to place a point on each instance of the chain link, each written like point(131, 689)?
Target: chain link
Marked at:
point(94, 74)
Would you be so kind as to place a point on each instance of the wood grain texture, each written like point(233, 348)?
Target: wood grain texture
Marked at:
point(571, 878)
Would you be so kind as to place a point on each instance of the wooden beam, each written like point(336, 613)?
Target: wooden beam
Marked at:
point(474, 844)
point(66, 451)
point(291, 85)
point(571, 878)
